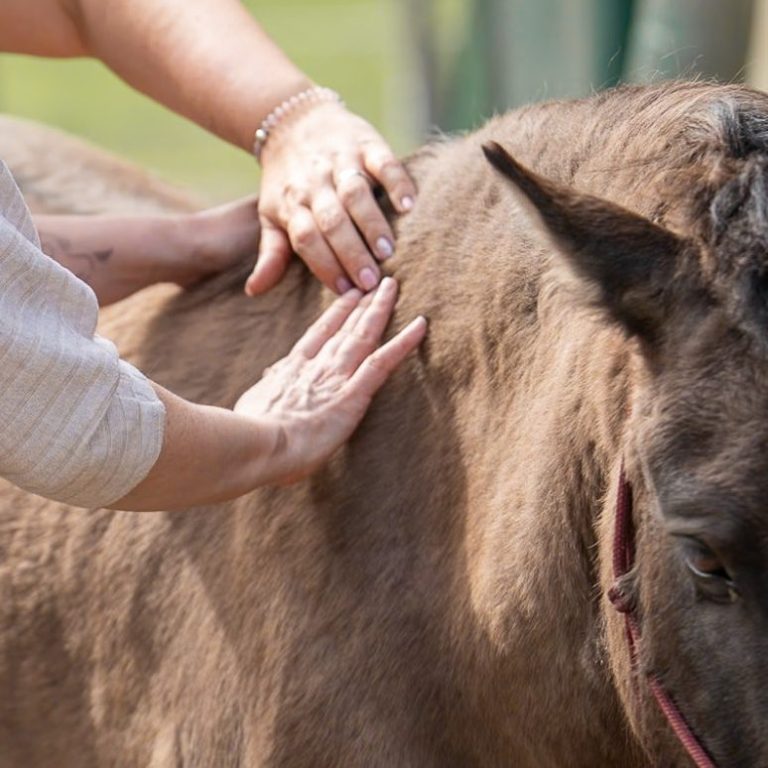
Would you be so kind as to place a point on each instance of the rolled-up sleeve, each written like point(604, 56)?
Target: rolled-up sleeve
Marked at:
point(77, 423)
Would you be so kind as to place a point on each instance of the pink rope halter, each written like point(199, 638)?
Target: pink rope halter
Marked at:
point(623, 560)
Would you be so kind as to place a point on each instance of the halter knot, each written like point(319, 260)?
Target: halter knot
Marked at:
point(622, 602)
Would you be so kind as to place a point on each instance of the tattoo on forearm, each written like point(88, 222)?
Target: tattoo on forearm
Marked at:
point(81, 263)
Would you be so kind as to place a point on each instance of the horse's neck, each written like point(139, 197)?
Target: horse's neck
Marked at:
point(549, 447)
point(529, 385)
point(531, 430)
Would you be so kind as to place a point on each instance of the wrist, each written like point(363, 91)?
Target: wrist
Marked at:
point(251, 444)
point(267, 465)
point(289, 111)
point(261, 101)
point(186, 240)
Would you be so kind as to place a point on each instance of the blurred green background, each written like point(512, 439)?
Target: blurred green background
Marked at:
point(350, 45)
point(410, 66)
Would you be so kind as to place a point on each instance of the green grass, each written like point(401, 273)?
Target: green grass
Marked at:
point(354, 46)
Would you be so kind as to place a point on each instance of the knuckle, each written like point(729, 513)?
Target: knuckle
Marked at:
point(321, 167)
point(282, 214)
point(325, 328)
point(377, 363)
point(353, 192)
point(298, 358)
point(347, 304)
point(269, 206)
point(330, 219)
point(297, 194)
point(390, 167)
point(303, 235)
point(364, 335)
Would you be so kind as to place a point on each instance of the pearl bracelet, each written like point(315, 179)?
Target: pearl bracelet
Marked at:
point(305, 98)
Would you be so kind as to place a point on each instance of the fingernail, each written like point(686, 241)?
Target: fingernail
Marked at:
point(407, 202)
point(368, 278)
point(384, 247)
point(343, 285)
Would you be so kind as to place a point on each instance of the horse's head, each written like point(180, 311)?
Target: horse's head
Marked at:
point(695, 442)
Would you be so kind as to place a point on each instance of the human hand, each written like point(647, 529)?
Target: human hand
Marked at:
point(216, 239)
point(317, 200)
point(313, 399)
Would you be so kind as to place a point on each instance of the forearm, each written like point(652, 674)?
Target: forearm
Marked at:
point(116, 255)
point(206, 59)
point(291, 421)
point(209, 455)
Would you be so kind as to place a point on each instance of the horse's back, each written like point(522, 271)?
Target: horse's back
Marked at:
point(59, 173)
point(365, 617)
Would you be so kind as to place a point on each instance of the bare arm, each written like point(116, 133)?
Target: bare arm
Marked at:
point(287, 425)
point(205, 59)
point(118, 255)
point(209, 455)
point(40, 28)
point(210, 61)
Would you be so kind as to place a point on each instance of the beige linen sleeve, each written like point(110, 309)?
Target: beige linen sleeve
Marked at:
point(77, 423)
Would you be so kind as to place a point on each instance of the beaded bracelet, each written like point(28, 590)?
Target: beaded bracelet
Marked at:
point(270, 122)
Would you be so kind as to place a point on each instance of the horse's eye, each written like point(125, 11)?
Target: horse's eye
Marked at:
point(712, 579)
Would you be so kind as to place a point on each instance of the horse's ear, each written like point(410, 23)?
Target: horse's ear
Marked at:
point(627, 258)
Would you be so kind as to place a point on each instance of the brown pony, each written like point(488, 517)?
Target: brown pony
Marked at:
point(438, 595)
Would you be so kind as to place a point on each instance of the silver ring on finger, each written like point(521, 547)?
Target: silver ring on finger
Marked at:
point(350, 173)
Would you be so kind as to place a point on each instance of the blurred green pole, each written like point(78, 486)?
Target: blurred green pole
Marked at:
point(525, 50)
point(467, 94)
point(685, 38)
point(424, 94)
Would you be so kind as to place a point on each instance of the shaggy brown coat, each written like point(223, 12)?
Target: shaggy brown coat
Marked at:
point(435, 596)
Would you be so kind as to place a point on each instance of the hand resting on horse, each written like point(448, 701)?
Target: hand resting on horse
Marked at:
point(211, 62)
point(316, 199)
point(119, 255)
point(306, 406)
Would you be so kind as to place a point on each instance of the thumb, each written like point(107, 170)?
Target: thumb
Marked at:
point(274, 256)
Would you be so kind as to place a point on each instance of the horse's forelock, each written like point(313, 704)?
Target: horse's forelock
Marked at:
point(725, 191)
point(744, 127)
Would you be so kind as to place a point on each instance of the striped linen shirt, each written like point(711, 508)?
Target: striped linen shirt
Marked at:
point(77, 423)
